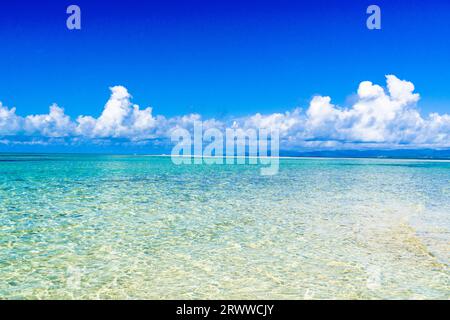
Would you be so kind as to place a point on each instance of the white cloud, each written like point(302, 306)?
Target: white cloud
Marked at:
point(120, 119)
point(53, 124)
point(378, 118)
point(10, 123)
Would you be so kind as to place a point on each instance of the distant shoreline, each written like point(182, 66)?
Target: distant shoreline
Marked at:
point(427, 159)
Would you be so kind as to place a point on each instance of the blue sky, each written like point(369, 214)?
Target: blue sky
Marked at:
point(218, 58)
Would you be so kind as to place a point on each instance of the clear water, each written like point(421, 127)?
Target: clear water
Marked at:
point(129, 227)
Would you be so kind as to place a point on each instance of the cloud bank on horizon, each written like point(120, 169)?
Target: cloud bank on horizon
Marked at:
point(378, 118)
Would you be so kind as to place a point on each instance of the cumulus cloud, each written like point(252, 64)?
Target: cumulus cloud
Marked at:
point(53, 124)
point(119, 119)
point(379, 117)
point(10, 123)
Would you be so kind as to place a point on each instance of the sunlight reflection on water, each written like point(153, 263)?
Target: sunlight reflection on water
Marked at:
point(140, 227)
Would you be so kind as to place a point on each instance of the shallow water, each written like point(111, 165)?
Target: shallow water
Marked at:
point(81, 226)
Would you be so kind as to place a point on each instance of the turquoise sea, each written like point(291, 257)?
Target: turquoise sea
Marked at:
point(131, 227)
